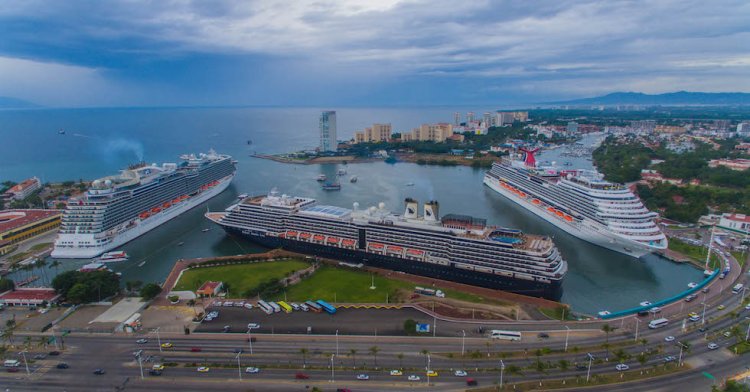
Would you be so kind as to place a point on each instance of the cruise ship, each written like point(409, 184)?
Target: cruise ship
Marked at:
point(454, 247)
point(580, 202)
point(119, 208)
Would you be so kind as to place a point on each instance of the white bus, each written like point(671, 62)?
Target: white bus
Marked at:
point(737, 288)
point(265, 307)
point(658, 323)
point(505, 335)
point(275, 306)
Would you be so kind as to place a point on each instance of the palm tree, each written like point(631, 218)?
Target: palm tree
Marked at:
point(374, 351)
point(563, 364)
point(425, 352)
point(27, 342)
point(41, 264)
point(7, 335)
point(400, 357)
point(56, 264)
point(191, 303)
point(304, 352)
point(607, 329)
point(353, 354)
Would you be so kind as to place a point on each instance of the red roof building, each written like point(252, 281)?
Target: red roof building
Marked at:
point(29, 297)
point(735, 222)
point(24, 189)
point(209, 288)
point(20, 225)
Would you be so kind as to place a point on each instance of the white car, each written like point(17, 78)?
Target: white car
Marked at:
point(669, 339)
point(396, 373)
point(248, 306)
point(295, 306)
point(203, 369)
point(460, 373)
point(645, 303)
point(413, 377)
point(622, 367)
point(713, 346)
point(252, 370)
point(695, 318)
point(142, 341)
point(253, 326)
point(747, 307)
point(363, 377)
point(655, 310)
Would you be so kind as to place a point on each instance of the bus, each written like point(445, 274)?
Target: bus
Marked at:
point(737, 288)
point(505, 335)
point(658, 323)
point(313, 306)
point(276, 308)
point(326, 306)
point(265, 307)
point(285, 307)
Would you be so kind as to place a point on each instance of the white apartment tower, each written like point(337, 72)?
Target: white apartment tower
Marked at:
point(328, 131)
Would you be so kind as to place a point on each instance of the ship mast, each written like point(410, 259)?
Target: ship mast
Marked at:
point(708, 255)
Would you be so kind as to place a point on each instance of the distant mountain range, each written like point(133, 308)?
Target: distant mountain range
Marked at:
point(15, 103)
point(676, 99)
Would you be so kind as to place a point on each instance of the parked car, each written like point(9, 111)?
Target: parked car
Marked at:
point(643, 313)
point(655, 310)
point(713, 346)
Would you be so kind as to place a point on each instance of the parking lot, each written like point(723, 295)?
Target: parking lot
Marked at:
point(346, 321)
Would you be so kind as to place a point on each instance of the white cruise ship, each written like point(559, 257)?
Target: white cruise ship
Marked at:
point(580, 202)
point(120, 208)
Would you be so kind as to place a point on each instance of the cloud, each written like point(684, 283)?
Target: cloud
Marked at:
point(476, 48)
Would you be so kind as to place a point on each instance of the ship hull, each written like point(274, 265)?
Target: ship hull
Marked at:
point(552, 290)
point(587, 230)
point(138, 230)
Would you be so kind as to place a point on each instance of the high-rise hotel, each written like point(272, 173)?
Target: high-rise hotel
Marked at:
point(328, 131)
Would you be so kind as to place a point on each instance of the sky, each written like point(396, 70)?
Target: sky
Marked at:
point(366, 52)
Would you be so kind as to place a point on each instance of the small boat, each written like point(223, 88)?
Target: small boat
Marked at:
point(242, 196)
point(353, 179)
point(692, 285)
point(113, 257)
point(341, 172)
point(321, 178)
point(249, 142)
point(409, 184)
point(61, 132)
point(142, 263)
point(328, 186)
point(180, 243)
point(205, 230)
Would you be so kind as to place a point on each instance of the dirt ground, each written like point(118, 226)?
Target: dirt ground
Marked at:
point(29, 320)
point(167, 318)
point(81, 318)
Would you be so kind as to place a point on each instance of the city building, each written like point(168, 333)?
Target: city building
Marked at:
point(328, 131)
point(429, 132)
point(374, 134)
point(669, 129)
point(209, 289)
point(572, 127)
point(734, 164)
point(735, 222)
point(23, 190)
point(487, 120)
point(457, 118)
point(20, 225)
point(743, 129)
point(743, 147)
point(29, 297)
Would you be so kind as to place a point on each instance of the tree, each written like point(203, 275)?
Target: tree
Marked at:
point(607, 329)
point(353, 354)
point(78, 293)
point(374, 351)
point(191, 303)
point(95, 285)
point(563, 364)
point(150, 291)
point(6, 285)
point(400, 357)
point(42, 264)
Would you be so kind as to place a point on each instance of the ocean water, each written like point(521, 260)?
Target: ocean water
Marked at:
point(98, 142)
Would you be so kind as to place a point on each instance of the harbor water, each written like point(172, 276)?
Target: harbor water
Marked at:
point(99, 142)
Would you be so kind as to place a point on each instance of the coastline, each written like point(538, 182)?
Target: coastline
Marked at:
point(410, 157)
point(346, 159)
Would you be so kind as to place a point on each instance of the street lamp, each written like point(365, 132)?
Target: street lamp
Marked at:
point(428, 368)
point(23, 353)
point(567, 332)
point(502, 368)
point(588, 372)
point(703, 317)
point(239, 368)
point(463, 346)
point(337, 342)
point(333, 375)
point(747, 335)
point(637, 323)
point(158, 338)
point(682, 346)
point(140, 364)
point(250, 341)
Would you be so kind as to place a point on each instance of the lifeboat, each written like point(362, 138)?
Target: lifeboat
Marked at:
point(396, 249)
point(521, 194)
point(559, 213)
point(332, 240)
point(167, 204)
point(415, 252)
point(155, 210)
point(568, 218)
point(304, 235)
point(536, 201)
point(550, 209)
point(177, 200)
point(318, 237)
point(144, 215)
point(282, 235)
point(291, 233)
point(376, 245)
point(348, 242)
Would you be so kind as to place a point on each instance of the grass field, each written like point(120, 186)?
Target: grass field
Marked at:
point(345, 285)
point(240, 277)
point(697, 253)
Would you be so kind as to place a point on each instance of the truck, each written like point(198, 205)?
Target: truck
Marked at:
point(432, 292)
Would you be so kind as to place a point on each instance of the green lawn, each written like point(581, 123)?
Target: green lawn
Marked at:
point(240, 277)
point(740, 257)
point(697, 253)
point(346, 285)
